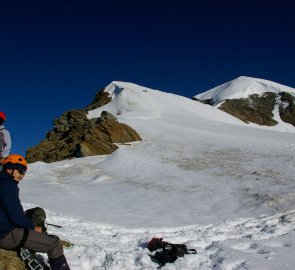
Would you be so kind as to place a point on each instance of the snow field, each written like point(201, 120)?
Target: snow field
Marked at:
point(199, 177)
point(265, 242)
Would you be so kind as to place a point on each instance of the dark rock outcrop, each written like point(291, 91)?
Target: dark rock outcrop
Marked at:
point(209, 101)
point(259, 109)
point(101, 98)
point(74, 135)
point(255, 109)
point(287, 108)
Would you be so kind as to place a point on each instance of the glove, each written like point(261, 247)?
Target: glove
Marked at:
point(38, 216)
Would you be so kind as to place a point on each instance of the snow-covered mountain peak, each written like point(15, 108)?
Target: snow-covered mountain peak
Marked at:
point(116, 87)
point(254, 100)
point(243, 87)
point(130, 100)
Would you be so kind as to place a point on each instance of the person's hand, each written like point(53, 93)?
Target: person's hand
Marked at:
point(1, 160)
point(38, 229)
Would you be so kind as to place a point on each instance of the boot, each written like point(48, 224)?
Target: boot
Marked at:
point(59, 263)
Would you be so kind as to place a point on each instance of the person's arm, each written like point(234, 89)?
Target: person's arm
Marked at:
point(14, 208)
point(7, 144)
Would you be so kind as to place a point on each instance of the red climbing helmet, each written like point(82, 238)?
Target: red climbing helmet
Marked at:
point(3, 116)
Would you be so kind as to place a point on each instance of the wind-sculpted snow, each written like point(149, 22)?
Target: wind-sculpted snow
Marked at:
point(265, 242)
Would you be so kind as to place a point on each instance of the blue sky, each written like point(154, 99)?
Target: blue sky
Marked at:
point(55, 55)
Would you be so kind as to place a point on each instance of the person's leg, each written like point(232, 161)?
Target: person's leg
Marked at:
point(50, 245)
point(44, 243)
point(39, 243)
point(59, 263)
point(36, 242)
point(12, 239)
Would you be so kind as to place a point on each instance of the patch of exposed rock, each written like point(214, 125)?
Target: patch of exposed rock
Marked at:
point(101, 98)
point(74, 135)
point(287, 108)
point(259, 109)
point(10, 261)
point(256, 109)
point(209, 101)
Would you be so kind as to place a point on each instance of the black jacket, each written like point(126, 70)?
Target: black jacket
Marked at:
point(11, 211)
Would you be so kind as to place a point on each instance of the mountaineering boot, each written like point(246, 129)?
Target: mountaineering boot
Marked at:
point(59, 263)
point(30, 260)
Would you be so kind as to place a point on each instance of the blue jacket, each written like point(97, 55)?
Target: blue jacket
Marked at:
point(11, 211)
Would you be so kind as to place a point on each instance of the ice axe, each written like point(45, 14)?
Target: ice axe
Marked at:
point(53, 225)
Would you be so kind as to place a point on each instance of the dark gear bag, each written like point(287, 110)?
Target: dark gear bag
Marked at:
point(167, 252)
point(38, 216)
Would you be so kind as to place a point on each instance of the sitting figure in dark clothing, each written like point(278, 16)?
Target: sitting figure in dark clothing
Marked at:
point(19, 229)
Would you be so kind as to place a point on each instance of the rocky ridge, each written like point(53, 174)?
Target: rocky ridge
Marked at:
point(74, 135)
point(259, 109)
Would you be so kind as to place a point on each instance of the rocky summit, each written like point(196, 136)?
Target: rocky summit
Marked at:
point(253, 100)
point(256, 109)
point(259, 109)
point(74, 135)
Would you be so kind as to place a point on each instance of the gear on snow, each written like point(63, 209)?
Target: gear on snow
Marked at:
point(164, 252)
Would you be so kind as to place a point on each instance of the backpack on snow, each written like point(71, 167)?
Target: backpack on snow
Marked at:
point(167, 252)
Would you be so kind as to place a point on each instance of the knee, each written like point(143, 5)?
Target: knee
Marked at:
point(57, 249)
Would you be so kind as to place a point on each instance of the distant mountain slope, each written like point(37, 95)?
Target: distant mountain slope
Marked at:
point(85, 132)
point(254, 100)
point(130, 100)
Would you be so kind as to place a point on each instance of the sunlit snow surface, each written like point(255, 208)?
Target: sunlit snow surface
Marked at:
point(199, 177)
point(242, 87)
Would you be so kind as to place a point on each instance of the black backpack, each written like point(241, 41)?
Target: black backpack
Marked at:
point(167, 252)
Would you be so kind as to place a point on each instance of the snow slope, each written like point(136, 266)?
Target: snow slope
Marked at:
point(243, 87)
point(200, 177)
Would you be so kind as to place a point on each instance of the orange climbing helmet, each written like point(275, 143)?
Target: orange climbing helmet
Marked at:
point(15, 162)
point(2, 116)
